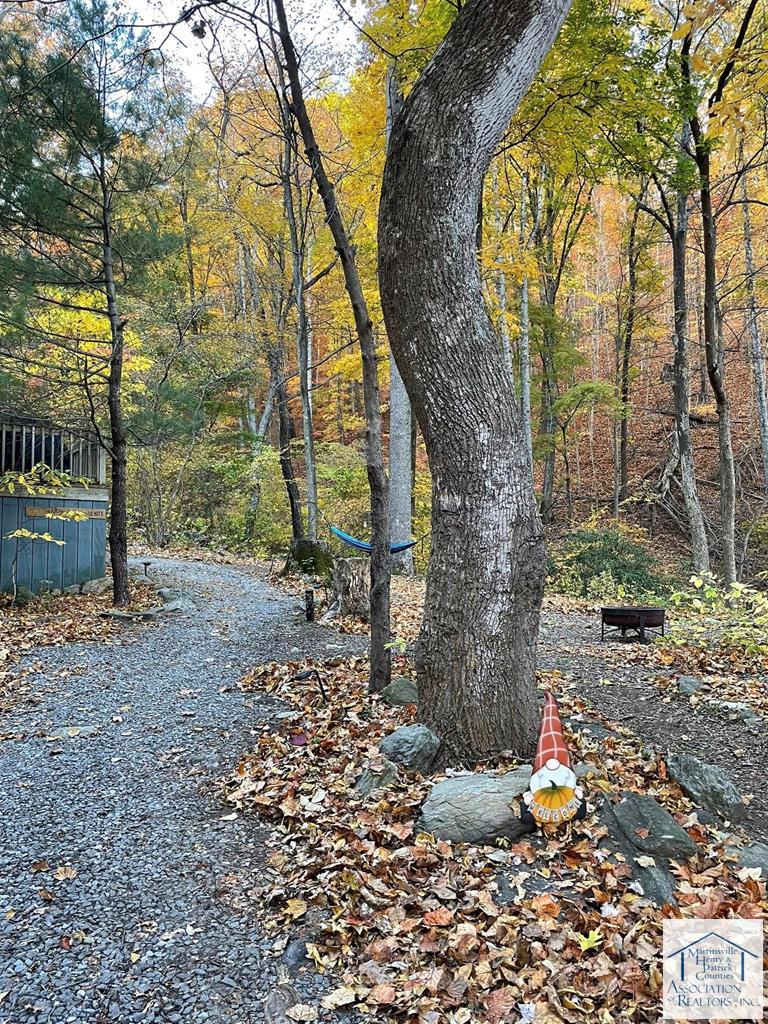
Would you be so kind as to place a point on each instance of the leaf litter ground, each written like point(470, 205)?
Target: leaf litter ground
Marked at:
point(414, 928)
point(52, 621)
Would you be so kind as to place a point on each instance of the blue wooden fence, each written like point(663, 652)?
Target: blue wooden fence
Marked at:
point(42, 565)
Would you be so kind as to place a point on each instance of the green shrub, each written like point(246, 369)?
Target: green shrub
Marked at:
point(604, 563)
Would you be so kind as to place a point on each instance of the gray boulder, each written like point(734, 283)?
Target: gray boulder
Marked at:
point(707, 786)
point(689, 684)
point(652, 881)
point(412, 746)
point(477, 809)
point(754, 855)
point(99, 586)
point(638, 815)
point(371, 780)
point(400, 692)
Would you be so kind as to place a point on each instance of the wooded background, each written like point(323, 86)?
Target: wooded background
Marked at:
point(621, 238)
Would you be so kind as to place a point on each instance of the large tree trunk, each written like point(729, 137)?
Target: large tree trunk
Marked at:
point(400, 416)
point(755, 340)
point(476, 660)
point(381, 662)
point(118, 449)
point(681, 390)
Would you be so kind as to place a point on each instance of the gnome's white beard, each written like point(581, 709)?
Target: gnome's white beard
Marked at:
point(560, 776)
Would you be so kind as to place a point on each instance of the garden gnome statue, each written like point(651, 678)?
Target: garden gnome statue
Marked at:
point(554, 795)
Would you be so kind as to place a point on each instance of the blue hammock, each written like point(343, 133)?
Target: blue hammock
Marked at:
point(363, 545)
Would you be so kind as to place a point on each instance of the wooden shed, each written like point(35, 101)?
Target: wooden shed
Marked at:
point(40, 565)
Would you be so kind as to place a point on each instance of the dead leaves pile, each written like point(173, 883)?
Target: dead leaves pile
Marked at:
point(413, 928)
point(54, 620)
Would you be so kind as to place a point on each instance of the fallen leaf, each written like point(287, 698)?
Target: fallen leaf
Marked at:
point(63, 872)
point(302, 1012)
point(296, 908)
point(441, 916)
point(342, 996)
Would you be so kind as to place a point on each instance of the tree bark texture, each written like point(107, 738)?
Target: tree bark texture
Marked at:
point(381, 661)
point(351, 585)
point(476, 660)
point(400, 416)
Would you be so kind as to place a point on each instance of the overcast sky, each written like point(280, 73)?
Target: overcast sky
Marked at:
point(316, 22)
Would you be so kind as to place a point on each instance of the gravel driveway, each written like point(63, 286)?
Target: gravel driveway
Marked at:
point(141, 928)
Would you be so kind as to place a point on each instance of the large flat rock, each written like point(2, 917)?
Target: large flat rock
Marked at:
point(651, 828)
point(477, 808)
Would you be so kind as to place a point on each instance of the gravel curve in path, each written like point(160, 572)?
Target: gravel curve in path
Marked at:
point(146, 930)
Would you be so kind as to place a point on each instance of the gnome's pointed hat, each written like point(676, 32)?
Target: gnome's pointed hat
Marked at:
point(551, 742)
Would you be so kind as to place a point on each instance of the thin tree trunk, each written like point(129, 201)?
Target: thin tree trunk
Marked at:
point(681, 390)
point(191, 286)
point(753, 323)
point(713, 340)
point(547, 423)
point(501, 277)
point(286, 462)
point(626, 356)
point(400, 416)
point(547, 298)
point(381, 666)
point(302, 324)
point(259, 431)
point(524, 340)
point(118, 449)
point(713, 345)
point(477, 651)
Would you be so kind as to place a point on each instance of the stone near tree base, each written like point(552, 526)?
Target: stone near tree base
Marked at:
point(707, 786)
point(372, 780)
point(400, 692)
point(476, 809)
point(652, 829)
point(102, 585)
point(412, 746)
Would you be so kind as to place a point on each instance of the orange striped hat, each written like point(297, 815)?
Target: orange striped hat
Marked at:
point(551, 742)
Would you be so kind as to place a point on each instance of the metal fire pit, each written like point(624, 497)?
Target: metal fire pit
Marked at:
point(636, 619)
